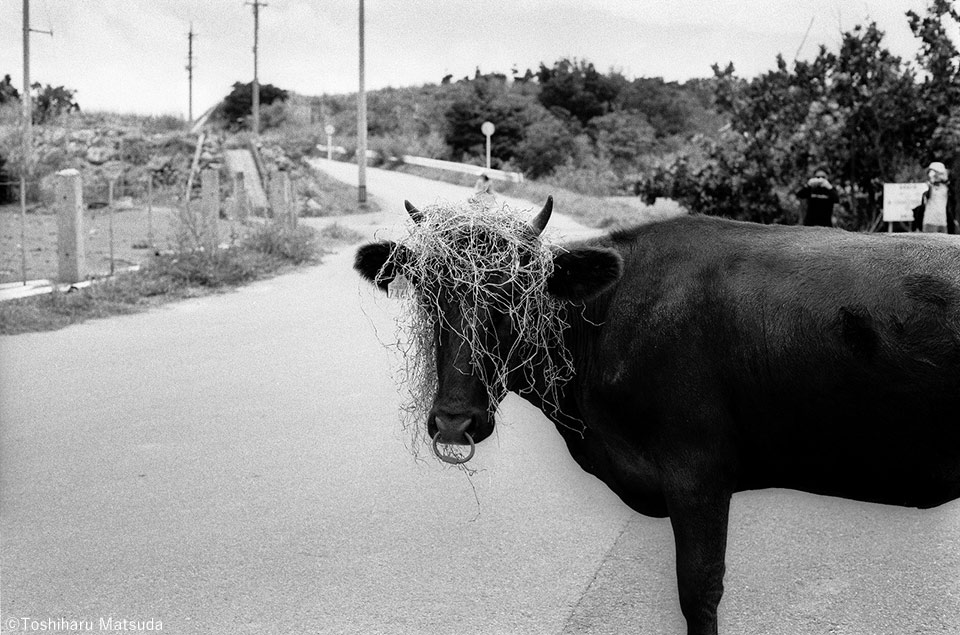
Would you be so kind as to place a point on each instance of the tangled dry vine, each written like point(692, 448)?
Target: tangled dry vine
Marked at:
point(477, 261)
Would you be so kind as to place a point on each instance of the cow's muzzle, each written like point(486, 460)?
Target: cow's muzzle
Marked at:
point(449, 430)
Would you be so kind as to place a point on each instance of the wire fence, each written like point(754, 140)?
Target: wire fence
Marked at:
point(123, 222)
point(120, 220)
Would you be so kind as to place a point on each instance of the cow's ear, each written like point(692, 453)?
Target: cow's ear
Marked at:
point(584, 272)
point(377, 262)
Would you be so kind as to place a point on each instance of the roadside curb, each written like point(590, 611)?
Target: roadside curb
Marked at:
point(19, 290)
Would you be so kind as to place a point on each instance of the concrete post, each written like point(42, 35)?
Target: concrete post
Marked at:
point(280, 196)
point(291, 203)
point(70, 234)
point(210, 208)
point(241, 205)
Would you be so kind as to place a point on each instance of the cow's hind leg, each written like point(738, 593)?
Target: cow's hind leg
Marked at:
point(699, 520)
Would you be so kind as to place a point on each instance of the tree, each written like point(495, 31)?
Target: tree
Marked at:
point(666, 106)
point(938, 56)
point(50, 102)
point(236, 107)
point(940, 91)
point(546, 145)
point(860, 113)
point(575, 89)
point(623, 137)
point(488, 99)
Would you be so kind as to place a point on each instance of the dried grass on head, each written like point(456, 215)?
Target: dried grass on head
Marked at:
point(487, 261)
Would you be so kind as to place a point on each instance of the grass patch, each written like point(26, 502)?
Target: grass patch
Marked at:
point(341, 234)
point(325, 196)
point(297, 245)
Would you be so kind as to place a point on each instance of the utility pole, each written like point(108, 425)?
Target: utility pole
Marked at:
point(190, 37)
point(27, 99)
point(361, 126)
point(27, 132)
point(27, 169)
point(256, 81)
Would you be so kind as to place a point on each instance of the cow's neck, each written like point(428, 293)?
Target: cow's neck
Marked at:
point(563, 406)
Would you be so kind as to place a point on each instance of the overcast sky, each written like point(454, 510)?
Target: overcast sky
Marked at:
point(129, 55)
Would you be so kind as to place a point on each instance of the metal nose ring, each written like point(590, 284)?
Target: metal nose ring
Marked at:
point(450, 458)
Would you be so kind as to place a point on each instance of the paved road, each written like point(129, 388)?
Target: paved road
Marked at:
point(233, 464)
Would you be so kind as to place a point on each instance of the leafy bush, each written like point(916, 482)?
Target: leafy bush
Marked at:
point(595, 177)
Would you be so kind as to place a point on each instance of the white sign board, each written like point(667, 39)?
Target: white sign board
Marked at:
point(487, 128)
point(899, 199)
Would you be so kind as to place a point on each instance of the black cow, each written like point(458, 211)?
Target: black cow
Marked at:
point(715, 356)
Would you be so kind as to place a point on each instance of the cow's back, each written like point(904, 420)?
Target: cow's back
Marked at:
point(829, 360)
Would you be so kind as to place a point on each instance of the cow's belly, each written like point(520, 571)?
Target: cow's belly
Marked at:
point(858, 462)
point(903, 493)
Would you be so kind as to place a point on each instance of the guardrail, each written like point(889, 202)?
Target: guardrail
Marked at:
point(438, 164)
point(465, 168)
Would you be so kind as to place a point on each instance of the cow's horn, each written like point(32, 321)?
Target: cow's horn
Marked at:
point(415, 214)
point(539, 221)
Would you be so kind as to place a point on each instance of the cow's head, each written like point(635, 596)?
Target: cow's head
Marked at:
point(490, 298)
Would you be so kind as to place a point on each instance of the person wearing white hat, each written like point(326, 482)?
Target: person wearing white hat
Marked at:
point(937, 210)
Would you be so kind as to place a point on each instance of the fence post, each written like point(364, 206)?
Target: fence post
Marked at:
point(110, 221)
point(210, 206)
point(278, 199)
point(150, 209)
point(281, 199)
point(241, 204)
point(291, 203)
point(70, 234)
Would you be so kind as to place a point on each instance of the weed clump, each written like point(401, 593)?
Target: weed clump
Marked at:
point(477, 271)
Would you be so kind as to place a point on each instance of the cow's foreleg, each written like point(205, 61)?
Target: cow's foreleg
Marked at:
point(699, 519)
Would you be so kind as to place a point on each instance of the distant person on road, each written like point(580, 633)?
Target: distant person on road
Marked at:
point(937, 211)
point(482, 186)
point(483, 190)
point(819, 197)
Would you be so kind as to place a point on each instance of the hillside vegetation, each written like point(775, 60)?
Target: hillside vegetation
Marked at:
point(723, 145)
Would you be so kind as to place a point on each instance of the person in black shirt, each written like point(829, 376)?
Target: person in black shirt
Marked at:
point(820, 197)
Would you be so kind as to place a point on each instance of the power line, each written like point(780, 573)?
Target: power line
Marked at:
point(804, 40)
